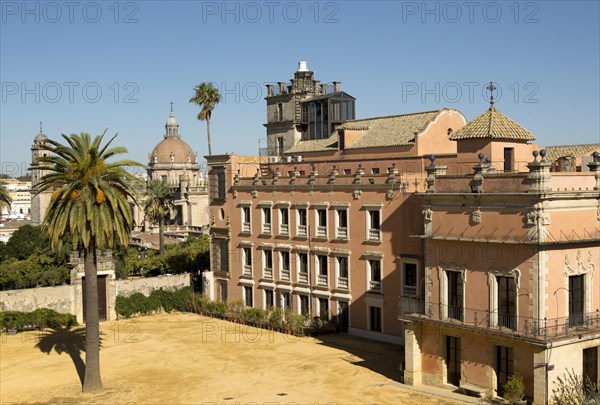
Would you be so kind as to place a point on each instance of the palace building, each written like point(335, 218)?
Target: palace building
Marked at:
point(458, 240)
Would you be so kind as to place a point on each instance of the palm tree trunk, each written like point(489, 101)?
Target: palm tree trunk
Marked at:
point(161, 237)
point(208, 135)
point(91, 380)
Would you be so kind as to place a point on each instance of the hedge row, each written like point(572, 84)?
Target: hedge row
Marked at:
point(38, 319)
point(165, 300)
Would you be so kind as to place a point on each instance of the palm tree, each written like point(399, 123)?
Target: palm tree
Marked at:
point(207, 96)
point(158, 204)
point(88, 209)
point(5, 199)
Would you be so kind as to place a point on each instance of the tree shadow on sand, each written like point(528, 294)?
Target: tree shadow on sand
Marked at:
point(65, 340)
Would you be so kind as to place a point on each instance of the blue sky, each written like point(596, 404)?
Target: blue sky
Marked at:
point(394, 56)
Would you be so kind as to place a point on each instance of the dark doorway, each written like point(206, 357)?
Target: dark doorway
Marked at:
point(101, 297)
point(504, 367)
point(507, 307)
point(453, 360)
point(455, 295)
point(576, 300)
point(344, 318)
point(590, 367)
point(509, 159)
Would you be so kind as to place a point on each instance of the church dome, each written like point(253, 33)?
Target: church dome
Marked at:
point(41, 137)
point(172, 150)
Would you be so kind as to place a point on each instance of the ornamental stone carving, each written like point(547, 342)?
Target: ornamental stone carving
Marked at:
point(579, 267)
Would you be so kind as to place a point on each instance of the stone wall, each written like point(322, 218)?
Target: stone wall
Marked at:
point(67, 298)
point(59, 298)
point(147, 285)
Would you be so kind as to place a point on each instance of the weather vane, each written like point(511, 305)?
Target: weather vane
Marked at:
point(41, 127)
point(171, 106)
point(491, 89)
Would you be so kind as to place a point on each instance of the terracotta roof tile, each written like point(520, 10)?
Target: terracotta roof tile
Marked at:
point(492, 124)
point(555, 152)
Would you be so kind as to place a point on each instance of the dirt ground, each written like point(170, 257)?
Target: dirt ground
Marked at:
point(190, 359)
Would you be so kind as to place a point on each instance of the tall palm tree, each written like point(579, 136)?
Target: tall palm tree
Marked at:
point(206, 96)
point(5, 199)
point(158, 204)
point(88, 209)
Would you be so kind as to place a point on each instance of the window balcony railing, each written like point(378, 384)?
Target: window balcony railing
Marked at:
point(513, 325)
point(342, 282)
point(266, 228)
point(322, 279)
point(268, 272)
point(374, 286)
point(410, 291)
point(374, 234)
point(301, 230)
point(321, 232)
point(246, 227)
point(247, 270)
point(284, 274)
point(303, 277)
point(342, 232)
point(284, 229)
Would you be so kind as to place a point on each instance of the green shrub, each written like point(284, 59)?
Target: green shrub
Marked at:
point(38, 319)
point(138, 304)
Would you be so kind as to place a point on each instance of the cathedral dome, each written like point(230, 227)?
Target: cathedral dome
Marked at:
point(41, 137)
point(172, 150)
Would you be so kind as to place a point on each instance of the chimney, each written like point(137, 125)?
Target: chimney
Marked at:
point(316, 86)
point(336, 86)
point(281, 87)
point(302, 66)
point(323, 89)
point(269, 90)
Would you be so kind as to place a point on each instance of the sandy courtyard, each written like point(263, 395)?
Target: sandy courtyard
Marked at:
point(190, 359)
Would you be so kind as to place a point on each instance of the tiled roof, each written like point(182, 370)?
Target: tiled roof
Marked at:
point(393, 130)
point(555, 152)
point(316, 145)
point(379, 132)
point(493, 124)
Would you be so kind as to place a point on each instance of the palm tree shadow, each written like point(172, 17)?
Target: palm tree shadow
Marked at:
point(65, 340)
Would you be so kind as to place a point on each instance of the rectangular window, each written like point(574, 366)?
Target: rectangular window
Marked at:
point(322, 278)
point(509, 159)
point(223, 290)
point(246, 226)
point(374, 225)
point(324, 308)
point(269, 299)
point(248, 296)
point(341, 229)
point(374, 275)
point(504, 367)
point(375, 319)
point(221, 255)
point(409, 278)
point(279, 112)
point(342, 265)
point(266, 220)
point(284, 221)
point(268, 264)
point(302, 222)
point(286, 300)
point(284, 258)
point(375, 170)
point(455, 295)
point(507, 306)
point(220, 175)
point(302, 267)
point(576, 300)
point(321, 217)
point(304, 307)
point(247, 261)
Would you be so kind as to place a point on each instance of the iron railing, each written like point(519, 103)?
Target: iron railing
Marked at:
point(536, 328)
